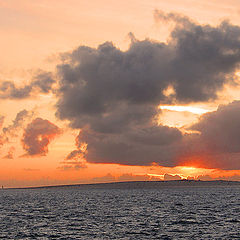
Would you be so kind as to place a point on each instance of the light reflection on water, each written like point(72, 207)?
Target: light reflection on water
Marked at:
point(75, 213)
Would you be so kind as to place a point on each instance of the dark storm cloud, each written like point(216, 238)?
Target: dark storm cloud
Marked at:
point(114, 95)
point(197, 61)
point(218, 143)
point(37, 136)
point(220, 130)
point(139, 146)
point(41, 83)
point(104, 88)
point(206, 57)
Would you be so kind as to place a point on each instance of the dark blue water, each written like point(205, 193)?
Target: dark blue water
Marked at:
point(75, 213)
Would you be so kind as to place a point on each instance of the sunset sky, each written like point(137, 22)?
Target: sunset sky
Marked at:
point(103, 91)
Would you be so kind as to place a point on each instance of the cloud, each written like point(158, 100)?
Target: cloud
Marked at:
point(217, 144)
point(220, 130)
point(42, 82)
point(136, 147)
point(75, 160)
point(197, 61)
point(79, 153)
point(18, 122)
point(126, 177)
point(37, 136)
point(74, 154)
point(10, 153)
point(114, 95)
point(12, 129)
point(177, 18)
point(74, 165)
point(170, 177)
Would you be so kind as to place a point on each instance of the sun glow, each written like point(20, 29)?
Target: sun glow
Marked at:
point(195, 110)
point(160, 176)
point(192, 172)
point(183, 172)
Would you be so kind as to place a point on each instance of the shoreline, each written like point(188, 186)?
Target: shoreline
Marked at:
point(139, 185)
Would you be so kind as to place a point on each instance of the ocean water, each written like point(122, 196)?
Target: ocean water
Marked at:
point(75, 213)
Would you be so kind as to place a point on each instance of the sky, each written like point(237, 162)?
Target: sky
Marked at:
point(104, 91)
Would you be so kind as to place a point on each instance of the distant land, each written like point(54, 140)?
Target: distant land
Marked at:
point(145, 185)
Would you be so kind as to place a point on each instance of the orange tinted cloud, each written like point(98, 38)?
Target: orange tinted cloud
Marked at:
point(170, 177)
point(37, 136)
point(10, 153)
point(75, 160)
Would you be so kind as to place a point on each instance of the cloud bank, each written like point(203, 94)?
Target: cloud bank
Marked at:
point(114, 95)
point(218, 143)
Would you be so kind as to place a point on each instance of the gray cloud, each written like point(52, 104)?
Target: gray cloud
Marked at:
point(197, 61)
point(74, 154)
point(42, 82)
point(139, 146)
point(18, 122)
point(220, 130)
point(12, 130)
point(37, 136)
point(218, 143)
point(114, 95)
point(75, 160)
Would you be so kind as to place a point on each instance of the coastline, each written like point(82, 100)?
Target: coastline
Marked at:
point(141, 185)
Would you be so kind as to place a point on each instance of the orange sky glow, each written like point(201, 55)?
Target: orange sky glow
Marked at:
point(43, 147)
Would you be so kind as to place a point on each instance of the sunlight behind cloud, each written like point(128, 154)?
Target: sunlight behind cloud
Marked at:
point(195, 110)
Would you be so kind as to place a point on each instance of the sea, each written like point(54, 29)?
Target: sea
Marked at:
point(113, 213)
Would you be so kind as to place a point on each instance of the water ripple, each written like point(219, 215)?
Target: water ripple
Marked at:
point(75, 213)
